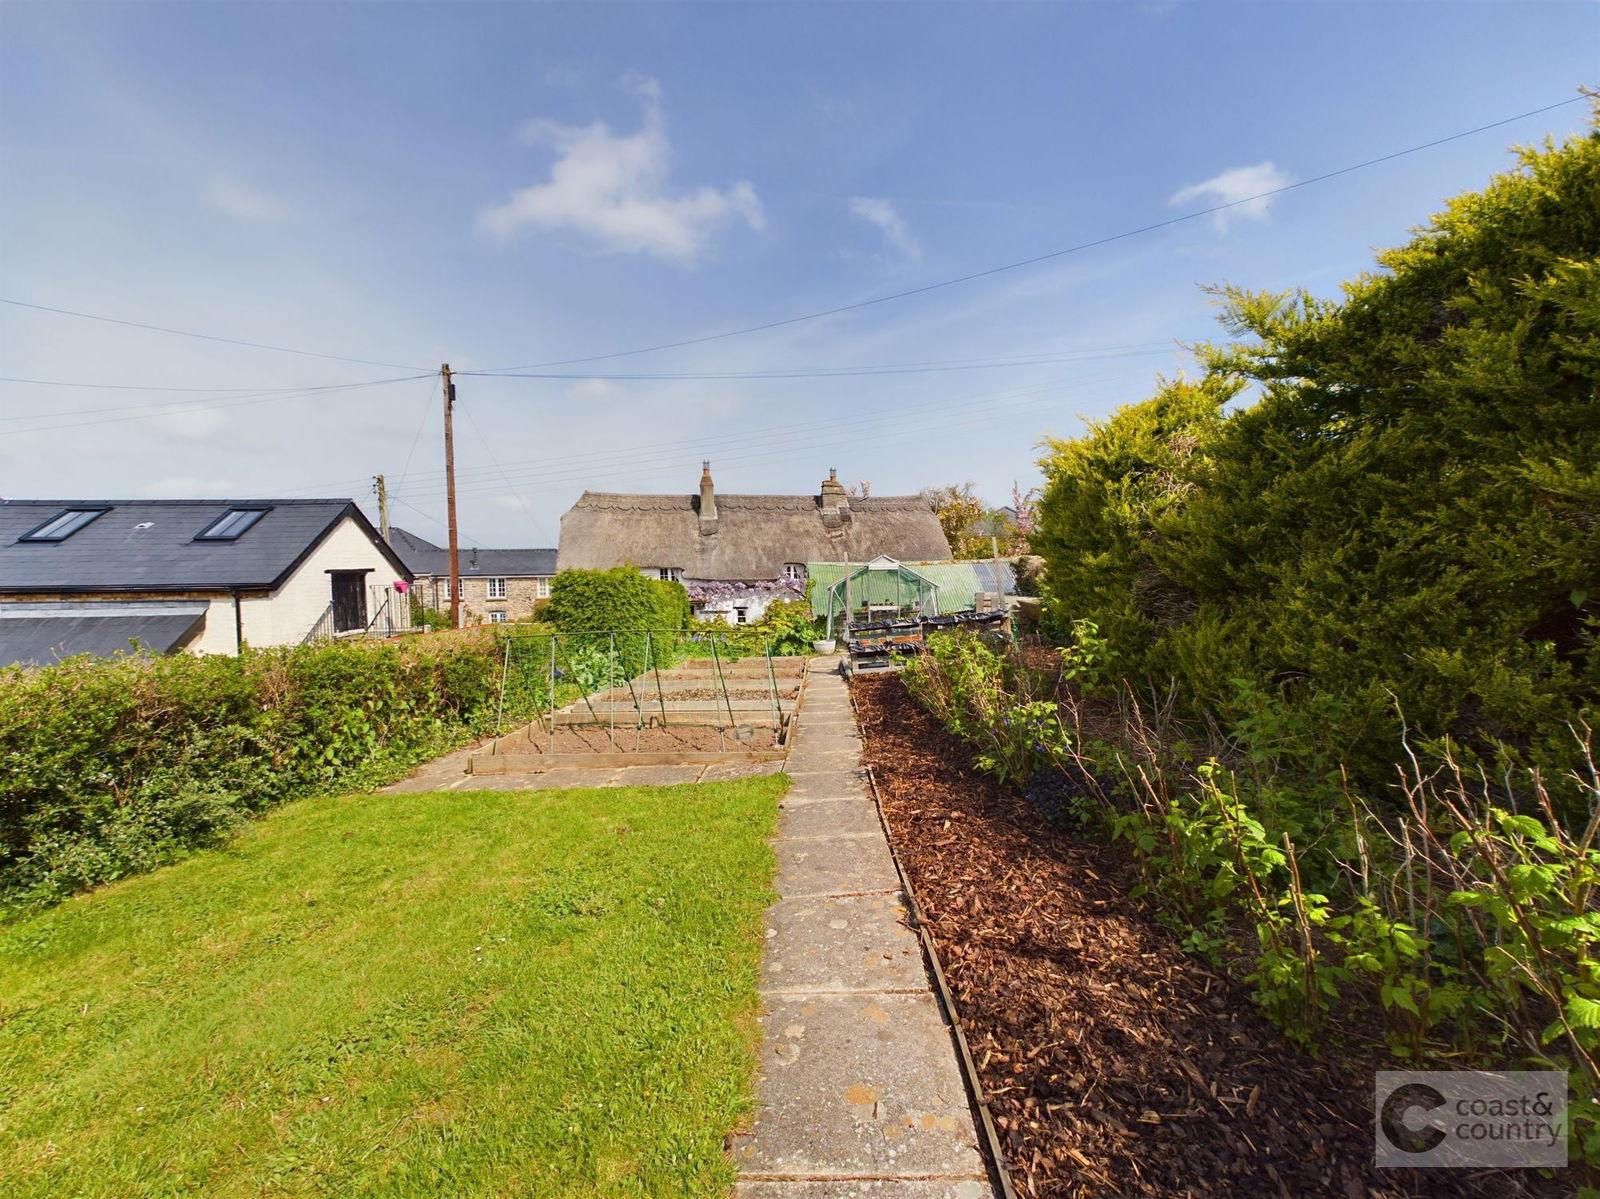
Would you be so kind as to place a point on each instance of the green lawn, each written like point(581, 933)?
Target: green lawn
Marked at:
point(466, 993)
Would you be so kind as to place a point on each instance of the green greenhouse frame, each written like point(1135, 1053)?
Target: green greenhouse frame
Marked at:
point(878, 585)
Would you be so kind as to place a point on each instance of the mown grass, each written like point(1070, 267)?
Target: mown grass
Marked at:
point(469, 993)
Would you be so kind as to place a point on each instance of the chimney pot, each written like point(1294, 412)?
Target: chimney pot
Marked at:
point(708, 499)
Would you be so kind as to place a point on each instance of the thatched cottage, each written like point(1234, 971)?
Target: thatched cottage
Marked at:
point(736, 553)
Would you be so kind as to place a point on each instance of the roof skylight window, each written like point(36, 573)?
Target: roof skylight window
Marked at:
point(231, 524)
point(63, 524)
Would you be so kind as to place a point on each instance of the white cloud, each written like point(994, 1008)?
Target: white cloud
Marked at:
point(510, 503)
point(881, 213)
point(1241, 187)
point(614, 189)
point(243, 202)
point(594, 391)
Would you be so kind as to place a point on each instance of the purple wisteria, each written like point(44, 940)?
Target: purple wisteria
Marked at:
point(711, 592)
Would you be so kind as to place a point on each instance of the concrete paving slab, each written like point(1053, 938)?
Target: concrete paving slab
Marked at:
point(657, 776)
point(722, 773)
point(827, 755)
point(836, 867)
point(831, 737)
point(862, 1188)
point(559, 779)
point(828, 819)
point(834, 782)
point(842, 943)
point(859, 1085)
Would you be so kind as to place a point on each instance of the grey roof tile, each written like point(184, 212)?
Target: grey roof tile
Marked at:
point(149, 545)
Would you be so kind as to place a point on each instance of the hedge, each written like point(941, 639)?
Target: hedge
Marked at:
point(1407, 519)
point(112, 766)
point(623, 602)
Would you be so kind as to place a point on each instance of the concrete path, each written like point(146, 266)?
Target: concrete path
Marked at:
point(859, 1091)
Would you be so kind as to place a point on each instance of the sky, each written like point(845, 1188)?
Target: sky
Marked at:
point(514, 185)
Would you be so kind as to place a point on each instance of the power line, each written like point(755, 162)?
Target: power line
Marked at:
point(1038, 258)
point(232, 341)
point(831, 372)
point(560, 472)
point(435, 520)
point(174, 409)
point(183, 405)
point(716, 443)
point(533, 522)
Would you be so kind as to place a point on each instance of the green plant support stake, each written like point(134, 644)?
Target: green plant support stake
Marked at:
point(655, 670)
point(633, 694)
point(500, 713)
point(611, 685)
point(550, 695)
point(723, 683)
point(772, 678)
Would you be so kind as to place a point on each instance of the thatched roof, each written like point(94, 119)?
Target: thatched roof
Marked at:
point(748, 537)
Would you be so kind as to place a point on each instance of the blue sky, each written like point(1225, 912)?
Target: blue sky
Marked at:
point(495, 185)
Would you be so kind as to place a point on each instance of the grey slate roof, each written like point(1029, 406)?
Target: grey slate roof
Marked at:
point(754, 535)
point(149, 545)
point(37, 634)
point(424, 558)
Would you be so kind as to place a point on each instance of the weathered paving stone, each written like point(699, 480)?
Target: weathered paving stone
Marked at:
point(842, 943)
point(858, 1085)
point(656, 776)
point(562, 777)
point(836, 867)
point(812, 761)
point(863, 1188)
point(832, 781)
point(721, 774)
point(850, 816)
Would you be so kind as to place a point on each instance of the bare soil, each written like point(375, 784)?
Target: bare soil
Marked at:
point(647, 693)
point(1116, 1064)
point(744, 668)
point(655, 740)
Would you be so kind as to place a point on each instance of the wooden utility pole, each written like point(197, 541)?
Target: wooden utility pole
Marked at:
point(383, 506)
point(450, 497)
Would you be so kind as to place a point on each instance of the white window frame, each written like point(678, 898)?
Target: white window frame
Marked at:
point(497, 589)
point(497, 618)
point(741, 614)
point(541, 587)
point(669, 574)
point(795, 572)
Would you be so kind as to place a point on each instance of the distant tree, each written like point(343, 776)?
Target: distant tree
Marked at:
point(960, 514)
point(1026, 506)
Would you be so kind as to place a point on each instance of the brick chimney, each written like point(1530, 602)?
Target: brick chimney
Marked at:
point(708, 499)
point(835, 503)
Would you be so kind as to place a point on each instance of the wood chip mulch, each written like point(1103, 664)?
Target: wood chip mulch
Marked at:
point(1116, 1064)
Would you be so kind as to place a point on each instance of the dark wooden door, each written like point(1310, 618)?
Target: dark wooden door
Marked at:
point(349, 601)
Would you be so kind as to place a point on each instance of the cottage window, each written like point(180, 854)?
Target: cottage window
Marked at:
point(741, 616)
point(63, 524)
point(497, 617)
point(497, 589)
point(795, 572)
point(541, 588)
point(670, 574)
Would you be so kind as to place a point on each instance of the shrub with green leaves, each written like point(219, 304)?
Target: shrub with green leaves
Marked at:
point(1407, 518)
point(595, 606)
point(112, 766)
